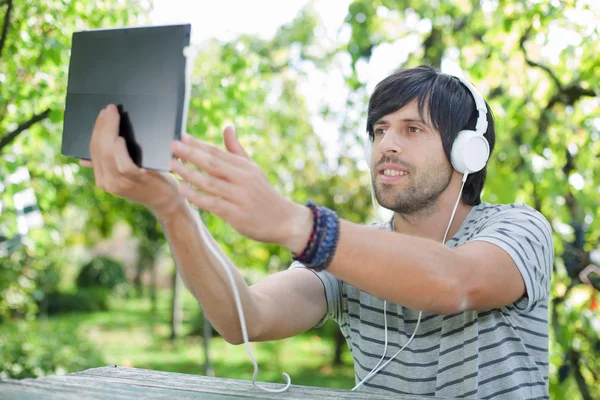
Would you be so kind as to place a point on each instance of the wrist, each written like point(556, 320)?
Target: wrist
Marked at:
point(320, 249)
point(299, 228)
point(172, 211)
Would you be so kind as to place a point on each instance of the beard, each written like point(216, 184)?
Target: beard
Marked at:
point(419, 194)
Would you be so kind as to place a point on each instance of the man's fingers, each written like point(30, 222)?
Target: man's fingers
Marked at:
point(112, 120)
point(98, 173)
point(86, 163)
point(208, 184)
point(220, 207)
point(107, 124)
point(231, 159)
point(232, 143)
point(105, 130)
point(123, 162)
point(210, 159)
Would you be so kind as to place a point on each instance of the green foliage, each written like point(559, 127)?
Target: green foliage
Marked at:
point(28, 274)
point(84, 300)
point(102, 272)
point(33, 76)
point(32, 350)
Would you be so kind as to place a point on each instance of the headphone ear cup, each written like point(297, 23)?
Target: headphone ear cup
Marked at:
point(470, 152)
point(368, 151)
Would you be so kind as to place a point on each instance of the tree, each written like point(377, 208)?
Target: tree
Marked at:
point(34, 53)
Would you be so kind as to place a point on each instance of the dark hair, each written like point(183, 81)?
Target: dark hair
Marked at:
point(451, 109)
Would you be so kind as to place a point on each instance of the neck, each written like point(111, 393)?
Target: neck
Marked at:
point(432, 222)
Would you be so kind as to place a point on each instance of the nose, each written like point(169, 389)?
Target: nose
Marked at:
point(389, 144)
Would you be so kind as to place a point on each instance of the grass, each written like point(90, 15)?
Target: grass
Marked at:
point(131, 335)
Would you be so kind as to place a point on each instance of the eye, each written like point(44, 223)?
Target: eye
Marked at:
point(414, 129)
point(380, 131)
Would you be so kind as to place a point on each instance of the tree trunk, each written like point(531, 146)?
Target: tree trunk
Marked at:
point(339, 347)
point(137, 280)
point(207, 335)
point(154, 273)
point(176, 305)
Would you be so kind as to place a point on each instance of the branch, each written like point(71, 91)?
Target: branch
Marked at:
point(579, 378)
point(434, 47)
point(24, 126)
point(536, 64)
point(6, 25)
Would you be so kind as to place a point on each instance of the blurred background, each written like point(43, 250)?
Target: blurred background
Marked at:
point(86, 279)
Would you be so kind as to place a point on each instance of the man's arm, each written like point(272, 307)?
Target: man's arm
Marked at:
point(282, 305)
point(423, 274)
point(509, 257)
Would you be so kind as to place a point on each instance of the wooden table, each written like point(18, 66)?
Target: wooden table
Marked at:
point(116, 383)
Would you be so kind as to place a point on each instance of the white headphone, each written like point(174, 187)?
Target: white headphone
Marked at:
point(470, 150)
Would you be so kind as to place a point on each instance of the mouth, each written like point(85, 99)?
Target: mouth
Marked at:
point(391, 174)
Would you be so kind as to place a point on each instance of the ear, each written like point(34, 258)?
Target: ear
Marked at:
point(232, 143)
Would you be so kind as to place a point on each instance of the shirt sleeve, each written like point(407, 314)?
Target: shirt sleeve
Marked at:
point(526, 236)
point(332, 287)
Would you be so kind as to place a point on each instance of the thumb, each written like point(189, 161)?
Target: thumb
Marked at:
point(232, 143)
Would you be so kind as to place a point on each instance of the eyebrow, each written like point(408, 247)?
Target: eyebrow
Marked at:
point(383, 121)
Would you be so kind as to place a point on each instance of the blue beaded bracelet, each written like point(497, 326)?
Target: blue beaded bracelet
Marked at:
point(322, 244)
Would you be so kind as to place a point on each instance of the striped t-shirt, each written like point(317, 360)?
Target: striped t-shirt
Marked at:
point(500, 353)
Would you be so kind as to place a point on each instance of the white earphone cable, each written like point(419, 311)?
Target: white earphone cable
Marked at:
point(464, 179)
point(378, 368)
point(238, 303)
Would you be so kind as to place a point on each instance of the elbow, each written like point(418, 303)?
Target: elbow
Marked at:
point(233, 339)
point(458, 298)
point(236, 337)
point(465, 291)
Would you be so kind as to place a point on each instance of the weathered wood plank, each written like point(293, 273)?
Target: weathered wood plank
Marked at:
point(225, 386)
point(68, 387)
point(119, 383)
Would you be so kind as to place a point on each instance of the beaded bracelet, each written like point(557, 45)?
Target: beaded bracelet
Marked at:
point(321, 246)
point(309, 246)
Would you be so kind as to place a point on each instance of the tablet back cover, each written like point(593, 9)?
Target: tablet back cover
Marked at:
point(141, 68)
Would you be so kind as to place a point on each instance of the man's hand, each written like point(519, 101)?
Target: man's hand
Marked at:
point(116, 173)
point(236, 189)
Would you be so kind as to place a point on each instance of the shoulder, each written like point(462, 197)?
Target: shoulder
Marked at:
point(505, 222)
point(518, 226)
point(487, 213)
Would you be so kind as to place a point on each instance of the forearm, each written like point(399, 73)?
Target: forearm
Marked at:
point(415, 272)
point(206, 278)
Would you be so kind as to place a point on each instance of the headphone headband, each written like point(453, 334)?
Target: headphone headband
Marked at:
point(482, 123)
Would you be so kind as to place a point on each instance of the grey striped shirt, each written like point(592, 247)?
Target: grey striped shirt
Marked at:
point(500, 353)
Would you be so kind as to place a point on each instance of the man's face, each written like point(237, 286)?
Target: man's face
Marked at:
point(410, 167)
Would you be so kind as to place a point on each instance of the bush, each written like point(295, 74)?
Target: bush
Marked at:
point(96, 282)
point(85, 300)
point(103, 272)
point(32, 350)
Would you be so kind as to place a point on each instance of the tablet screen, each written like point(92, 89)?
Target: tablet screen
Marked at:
point(140, 69)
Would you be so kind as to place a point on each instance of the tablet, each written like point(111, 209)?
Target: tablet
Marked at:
point(142, 70)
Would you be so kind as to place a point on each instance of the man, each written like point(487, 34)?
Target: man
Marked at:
point(483, 293)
